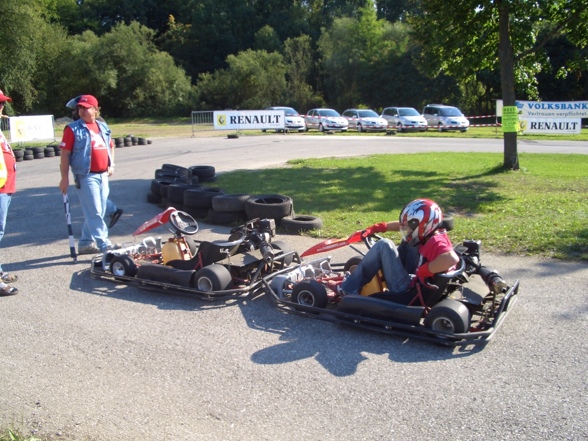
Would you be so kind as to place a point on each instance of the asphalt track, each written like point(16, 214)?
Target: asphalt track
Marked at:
point(82, 359)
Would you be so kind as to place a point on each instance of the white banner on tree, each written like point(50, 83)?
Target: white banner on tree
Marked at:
point(551, 125)
point(29, 128)
point(249, 119)
point(553, 109)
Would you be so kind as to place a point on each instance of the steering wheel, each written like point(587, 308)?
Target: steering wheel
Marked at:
point(183, 222)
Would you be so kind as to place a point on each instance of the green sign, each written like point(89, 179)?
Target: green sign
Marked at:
point(510, 119)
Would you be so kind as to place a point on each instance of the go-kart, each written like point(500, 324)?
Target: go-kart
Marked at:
point(465, 305)
point(205, 269)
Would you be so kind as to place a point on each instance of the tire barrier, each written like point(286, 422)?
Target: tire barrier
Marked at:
point(182, 188)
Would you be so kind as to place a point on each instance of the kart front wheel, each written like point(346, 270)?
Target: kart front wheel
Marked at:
point(310, 293)
point(449, 317)
point(123, 266)
point(213, 277)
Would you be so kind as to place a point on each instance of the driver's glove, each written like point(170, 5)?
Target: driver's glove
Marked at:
point(381, 227)
point(423, 272)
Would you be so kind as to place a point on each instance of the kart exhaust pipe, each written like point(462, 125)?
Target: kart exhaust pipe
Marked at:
point(380, 309)
point(493, 280)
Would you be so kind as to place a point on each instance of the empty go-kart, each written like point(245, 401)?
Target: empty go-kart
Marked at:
point(466, 305)
point(206, 269)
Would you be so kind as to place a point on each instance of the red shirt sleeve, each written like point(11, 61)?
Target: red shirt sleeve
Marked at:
point(67, 141)
point(438, 244)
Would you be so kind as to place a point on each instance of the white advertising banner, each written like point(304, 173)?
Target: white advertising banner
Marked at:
point(28, 128)
point(553, 109)
point(249, 119)
point(551, 125)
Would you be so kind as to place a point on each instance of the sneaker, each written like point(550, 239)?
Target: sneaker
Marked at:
point(8, 278)
point(115, 217)
point(7, 290)
point(89, 249)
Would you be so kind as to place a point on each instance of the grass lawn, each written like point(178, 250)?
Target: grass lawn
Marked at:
point(540, 210)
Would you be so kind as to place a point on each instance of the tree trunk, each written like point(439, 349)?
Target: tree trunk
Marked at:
point(506, 58)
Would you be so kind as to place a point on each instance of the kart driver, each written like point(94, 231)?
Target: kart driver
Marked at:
point(425, 251)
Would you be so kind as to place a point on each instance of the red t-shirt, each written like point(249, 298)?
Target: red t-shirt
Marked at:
point(99, 160)
point(438, 244)
point(10, 185)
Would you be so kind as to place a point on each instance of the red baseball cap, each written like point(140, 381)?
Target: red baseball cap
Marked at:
point(88, 101)
point(4, 97)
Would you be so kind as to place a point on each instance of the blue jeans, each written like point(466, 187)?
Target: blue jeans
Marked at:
point(110, 208)
point(93, 196)
point(397, 264)
point(4, 204)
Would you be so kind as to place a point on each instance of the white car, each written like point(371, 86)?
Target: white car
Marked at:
point(293, 120)
point(404, 119)
point(325, 120)
point(365, 120)
point(445, 118)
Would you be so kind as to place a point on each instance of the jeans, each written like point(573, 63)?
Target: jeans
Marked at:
point(4, 204)
point(110, 208)
point(397, 263)
point(93, 196)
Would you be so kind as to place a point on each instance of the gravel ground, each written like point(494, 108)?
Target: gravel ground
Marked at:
point(83, 359)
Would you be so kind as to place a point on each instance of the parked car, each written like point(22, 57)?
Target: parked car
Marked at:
point(445, 118)
point(404, 119)
point(325, 120)
point(293, 120)
point(365, 120)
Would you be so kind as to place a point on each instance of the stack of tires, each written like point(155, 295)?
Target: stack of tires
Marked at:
point(130, 140)
point(184, 189)
point(281, 208)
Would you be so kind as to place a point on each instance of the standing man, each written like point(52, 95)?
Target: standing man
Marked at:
point(88, 149)
point(7, 188)
point(112, 211)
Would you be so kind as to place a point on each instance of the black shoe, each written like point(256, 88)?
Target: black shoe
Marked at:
point(115, 217)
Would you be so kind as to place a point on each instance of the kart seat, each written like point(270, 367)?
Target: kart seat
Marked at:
point(209, 253)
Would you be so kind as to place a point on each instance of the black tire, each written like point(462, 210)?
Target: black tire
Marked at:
point(284, 248)
point(134, 140)
point(142, 141)
point(310, 293)
point(123, 266)
point(448, 316)
point(211, 278)
point(28, 157)
point(229, 203)
point(299, 223)
point(49, 152)
point(19, 153)
point(269, 206)
point(359, 128)
point(153, 198)
point(225, 218)
point(203, 171)
point(37, 150)
point(321, 128)
point(352, 263)
point(39, 155)
point(200, 197)
point(175, 192)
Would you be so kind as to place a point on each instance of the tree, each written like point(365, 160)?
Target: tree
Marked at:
point(462, 37)
point(252, 80)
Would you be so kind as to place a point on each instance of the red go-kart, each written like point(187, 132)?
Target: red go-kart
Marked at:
point(205, 269)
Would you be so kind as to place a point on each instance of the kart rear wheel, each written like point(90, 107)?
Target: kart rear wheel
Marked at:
point(213, 277)
point(310, 293)
point(352, 263)
point(123, 266)
point(449, 317)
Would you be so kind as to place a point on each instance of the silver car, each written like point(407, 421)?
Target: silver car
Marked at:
point(325, 120)
point(365, 120)
point(404, 119)
point(445, 118)
point(292, 121)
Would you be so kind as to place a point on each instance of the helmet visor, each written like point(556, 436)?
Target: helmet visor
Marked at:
point(406, 231)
